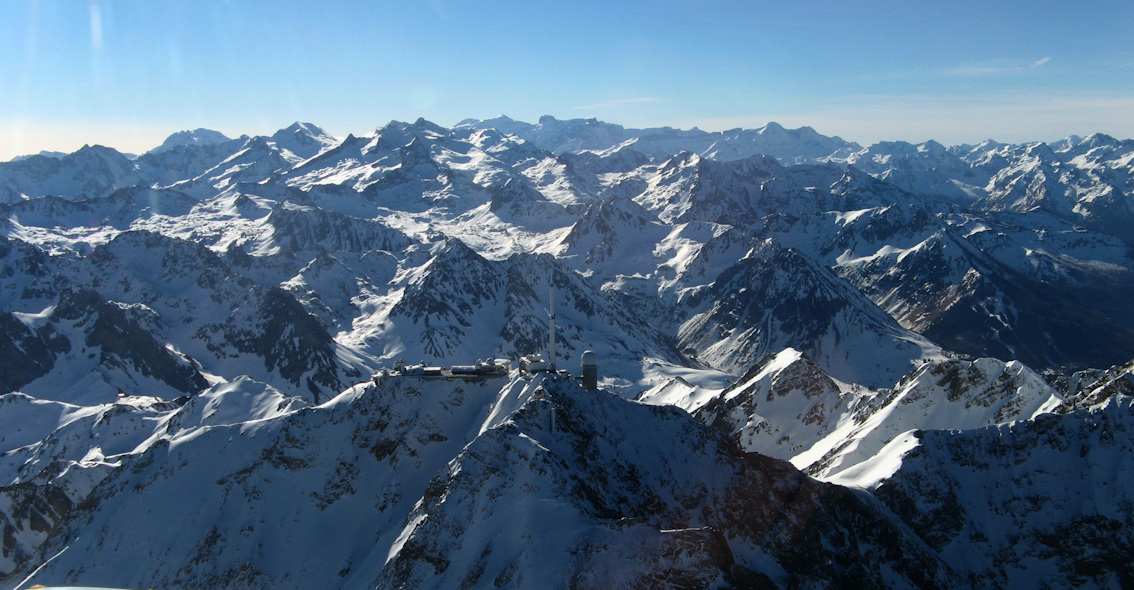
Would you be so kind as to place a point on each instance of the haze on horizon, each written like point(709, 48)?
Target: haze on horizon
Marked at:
point(128, 73)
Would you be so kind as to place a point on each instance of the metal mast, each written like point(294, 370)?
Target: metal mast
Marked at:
point(551, 335)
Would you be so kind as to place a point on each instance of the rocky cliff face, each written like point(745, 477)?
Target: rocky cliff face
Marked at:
point(672, 504)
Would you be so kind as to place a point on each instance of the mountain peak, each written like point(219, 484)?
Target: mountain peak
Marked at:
point(301, 127)
point(43, 153)
point(199, 136)
point(772, 127)
point(303, 139)
point(423, 123)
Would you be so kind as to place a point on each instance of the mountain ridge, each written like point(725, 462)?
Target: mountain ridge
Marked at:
point(261, 354)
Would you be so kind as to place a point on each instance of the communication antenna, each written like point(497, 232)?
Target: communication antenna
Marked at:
point(551, 335)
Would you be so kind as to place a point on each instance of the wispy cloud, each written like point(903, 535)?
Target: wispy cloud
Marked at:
point(96, 26)
point(618, 103)
point(977, 71)
point(995, 67)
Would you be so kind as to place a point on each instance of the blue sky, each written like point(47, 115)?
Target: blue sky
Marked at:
point(127, 73)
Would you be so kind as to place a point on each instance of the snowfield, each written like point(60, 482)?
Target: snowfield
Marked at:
point(820, 365)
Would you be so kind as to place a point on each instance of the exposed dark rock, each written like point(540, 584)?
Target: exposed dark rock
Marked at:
point(125, 344)
point(29, 511)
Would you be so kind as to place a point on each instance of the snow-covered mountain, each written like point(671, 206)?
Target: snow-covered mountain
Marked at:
point(539, 483)
point(93, 171)
point(187, 138)
point(416, 483)
point(793, 146)
point(874, 317)
point(788, 407)
point(1001, 504)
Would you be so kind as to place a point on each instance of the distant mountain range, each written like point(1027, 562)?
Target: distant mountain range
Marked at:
point(820, 364)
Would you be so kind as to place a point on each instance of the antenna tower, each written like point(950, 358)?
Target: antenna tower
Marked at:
point(551, 333)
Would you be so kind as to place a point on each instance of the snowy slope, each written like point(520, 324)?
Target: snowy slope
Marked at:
point(776, 298)
point(788, 407)
point(93, 171)
point(811, 300)
point(1027, 504)
point(793, 146)
point(116, 211)
point(953, 394)
point(224, 321)
point(201, 137)
point(84, 349)
point(604, 493)
point(404, 482)
point(681, 239)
